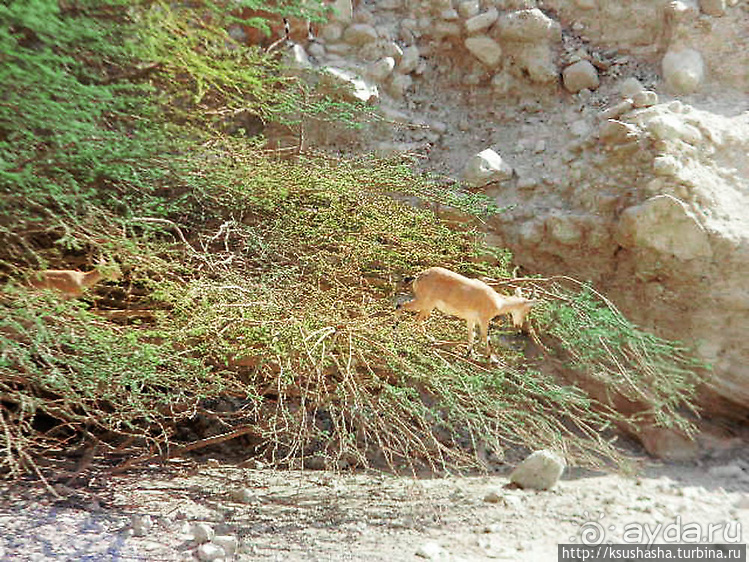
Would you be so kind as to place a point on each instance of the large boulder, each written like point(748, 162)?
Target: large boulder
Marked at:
point(666, 225)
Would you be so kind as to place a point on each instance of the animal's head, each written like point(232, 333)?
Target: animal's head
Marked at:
point(520, 307)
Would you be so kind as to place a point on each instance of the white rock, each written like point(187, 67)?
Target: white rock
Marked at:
point(645, 99)
point(447, 29)
point(432, 551)
point(539, 471)
point(666, 225)
point(228, 543)
point(141, 525)
point(209, 552)
point(484, 48)
point(381, 69)
point(581, 75)
point(449, 15)
point(528, 26)
point(713, 7)
point(485, 167)
point(669, 127)
point(630, 87)
point(616, 111)
point(469, 8)
point(346, 84)
point(202, 532)
point(410, 60)
point(684, 71)
point(537, 60)
point(296, 57)
point(743, 502)
point(359, 34)
point(481, 22)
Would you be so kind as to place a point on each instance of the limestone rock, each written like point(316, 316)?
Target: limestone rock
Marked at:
point(671, 127)
point(343, 10)
point(346, 85)
point(410, 60)
point(539, 471)
point(381, 69)
point(713, 7)
point(484, 48)
point(665, 224)
point(528, 26)
point(209, 552)
point(202, 533)
point(481, 22)
point(469, 8)
point(580, 76)
point(537, 60)
point(684, 71)
point(668, 444)
point(485, 167)
point(228, 543)
point(399, 85)
point(630, 87)
point(432, 551)
point(359, 34)
point(645, 98)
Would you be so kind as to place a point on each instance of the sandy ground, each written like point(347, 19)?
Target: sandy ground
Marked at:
point(321, 516)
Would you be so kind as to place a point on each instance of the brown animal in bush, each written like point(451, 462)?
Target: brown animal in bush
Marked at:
point(470, 299)
point(70, 282)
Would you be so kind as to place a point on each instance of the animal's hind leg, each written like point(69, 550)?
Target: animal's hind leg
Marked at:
point(471, 333)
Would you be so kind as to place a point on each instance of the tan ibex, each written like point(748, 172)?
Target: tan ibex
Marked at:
point(470, 299)
point(70, 282)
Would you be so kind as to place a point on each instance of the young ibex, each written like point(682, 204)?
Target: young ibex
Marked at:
point(470, 299)
point(70, 282)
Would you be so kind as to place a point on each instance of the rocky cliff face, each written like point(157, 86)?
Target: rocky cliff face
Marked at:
point(617, 131)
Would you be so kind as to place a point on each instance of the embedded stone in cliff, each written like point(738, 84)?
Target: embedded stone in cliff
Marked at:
point(665, 224)
point(487, 166)
point(380, 70)
point(482, 22)
point(485, 49)
point(359, 34)
point(684, 71)
point(671, 127)
point(469, 8)
point(713, 7)
point(343, 10)
point(538, 61)
point(581, 75)
point(346, 85)
point(528, 26)
point(668, 444)
point(410, 60)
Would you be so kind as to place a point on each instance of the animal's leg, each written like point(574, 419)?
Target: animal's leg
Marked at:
point(471, 331)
